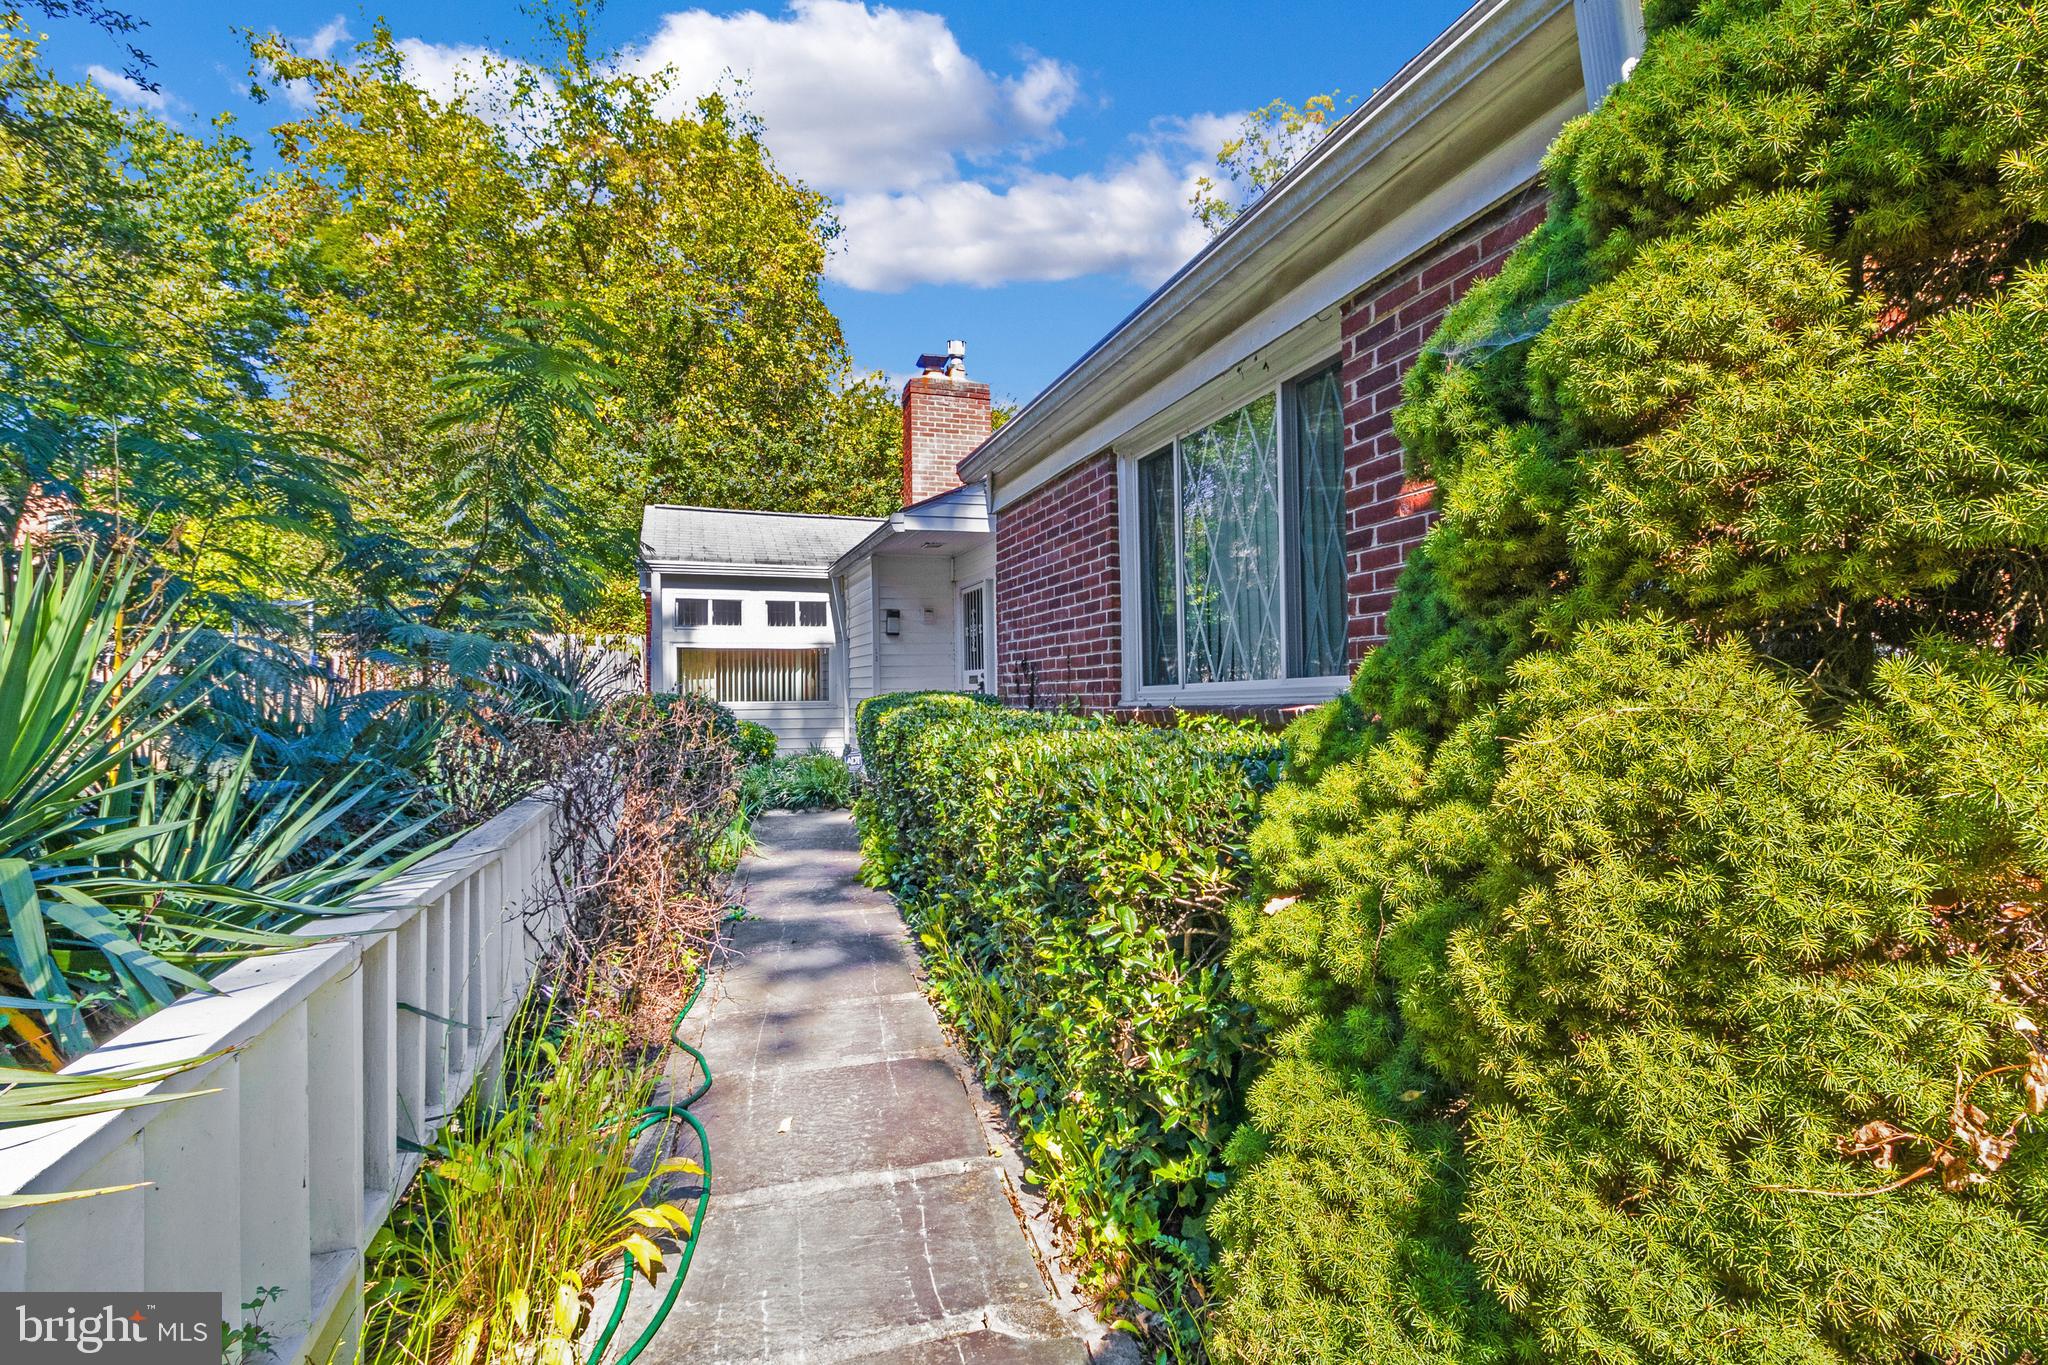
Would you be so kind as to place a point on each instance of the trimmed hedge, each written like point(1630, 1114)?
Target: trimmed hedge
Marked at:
point(1069, 880)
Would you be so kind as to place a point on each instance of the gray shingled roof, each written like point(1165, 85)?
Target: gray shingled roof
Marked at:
point(710, 535)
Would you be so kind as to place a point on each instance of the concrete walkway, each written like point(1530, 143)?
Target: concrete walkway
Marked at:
point(857, 1212)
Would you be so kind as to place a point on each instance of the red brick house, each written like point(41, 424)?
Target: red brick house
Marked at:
point(1208, 508)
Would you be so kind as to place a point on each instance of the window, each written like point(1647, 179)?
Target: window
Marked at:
point(708, 611)
point(1318, 526)
point(1240, 529)
point(1158, 553)
point(811, 614)
point(741, 675)
point(974, 639)
point(782, 613)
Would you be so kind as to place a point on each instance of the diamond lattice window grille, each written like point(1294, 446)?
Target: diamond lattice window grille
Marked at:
point(1230, 548)
point(1319, 525)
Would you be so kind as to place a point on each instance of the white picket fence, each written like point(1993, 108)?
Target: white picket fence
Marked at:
point(330, 1061)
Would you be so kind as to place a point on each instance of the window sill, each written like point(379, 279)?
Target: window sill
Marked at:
point(1215, 696)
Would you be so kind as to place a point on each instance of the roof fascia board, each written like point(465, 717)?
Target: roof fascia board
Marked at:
point(959, 509)
point(725, 569)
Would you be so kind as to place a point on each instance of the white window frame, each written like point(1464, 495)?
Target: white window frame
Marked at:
point(1185, 423)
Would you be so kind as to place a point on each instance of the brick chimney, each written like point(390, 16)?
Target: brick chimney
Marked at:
point(945, 416)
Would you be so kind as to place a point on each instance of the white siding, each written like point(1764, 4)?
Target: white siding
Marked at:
point(977, 563)
point(921, 656)
point(857, 590)
point(860, 630)
point(797, 725)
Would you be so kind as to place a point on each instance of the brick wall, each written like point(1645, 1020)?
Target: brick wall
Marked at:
point(1385, 325)
point(1058, 621)
point(943, 421)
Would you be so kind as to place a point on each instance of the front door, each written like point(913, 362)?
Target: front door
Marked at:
point(973, 617)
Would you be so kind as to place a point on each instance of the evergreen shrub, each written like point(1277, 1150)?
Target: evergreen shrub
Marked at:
point(1068, 880)
point(1653, 939)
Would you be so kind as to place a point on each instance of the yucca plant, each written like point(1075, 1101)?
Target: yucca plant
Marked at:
point(500, 1252)
point(120, 881)
point(73, 717)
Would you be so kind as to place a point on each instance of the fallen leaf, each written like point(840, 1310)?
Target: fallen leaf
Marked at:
point(1878, 1140)
point(782, 1128)
point(1279, 903)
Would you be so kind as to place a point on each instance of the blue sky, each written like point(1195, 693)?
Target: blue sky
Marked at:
point(1011, 174)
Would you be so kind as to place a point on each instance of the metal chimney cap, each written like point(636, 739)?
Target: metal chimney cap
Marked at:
point(953, 364)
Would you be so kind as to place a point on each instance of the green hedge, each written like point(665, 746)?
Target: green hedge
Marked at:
point(1069, 880)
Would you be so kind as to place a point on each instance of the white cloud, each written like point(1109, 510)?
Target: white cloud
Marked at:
point(467, 71)
point(858, 98)
point(928, 152)
point(1041, 96)
point(1202, 134)
point(129, 91)
point(1132, 220)
point(327, 38)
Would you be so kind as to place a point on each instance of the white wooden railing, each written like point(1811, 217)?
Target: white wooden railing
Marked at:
point(333, 1063)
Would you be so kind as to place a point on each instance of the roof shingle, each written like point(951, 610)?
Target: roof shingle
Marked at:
point(711, 535)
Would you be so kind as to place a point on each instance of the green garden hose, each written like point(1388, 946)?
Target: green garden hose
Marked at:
point(648, 1117)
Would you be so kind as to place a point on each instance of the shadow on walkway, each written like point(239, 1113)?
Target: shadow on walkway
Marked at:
point(857, 1213)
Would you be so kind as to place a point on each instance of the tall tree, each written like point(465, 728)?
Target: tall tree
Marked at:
point(416, 223)
point(137, 325)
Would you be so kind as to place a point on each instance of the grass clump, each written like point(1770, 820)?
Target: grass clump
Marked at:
point(808, 781)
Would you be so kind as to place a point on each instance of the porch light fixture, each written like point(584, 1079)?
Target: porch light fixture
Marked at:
point(892, 621)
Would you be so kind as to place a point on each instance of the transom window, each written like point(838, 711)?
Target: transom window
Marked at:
point(1241, 544)
point(810, 614)
point(707, 611)
point(781, 613)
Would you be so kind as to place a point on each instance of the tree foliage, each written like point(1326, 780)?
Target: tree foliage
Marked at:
point(413, 224)
point(137, 323)
point(1654, 934)
point(1269, 140)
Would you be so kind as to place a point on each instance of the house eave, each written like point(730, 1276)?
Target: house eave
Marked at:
point(961, 511)
point(725, 569)
point(1523, 47)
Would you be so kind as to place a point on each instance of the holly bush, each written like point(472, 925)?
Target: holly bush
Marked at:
point(1653, 939)
point(1068, 881)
